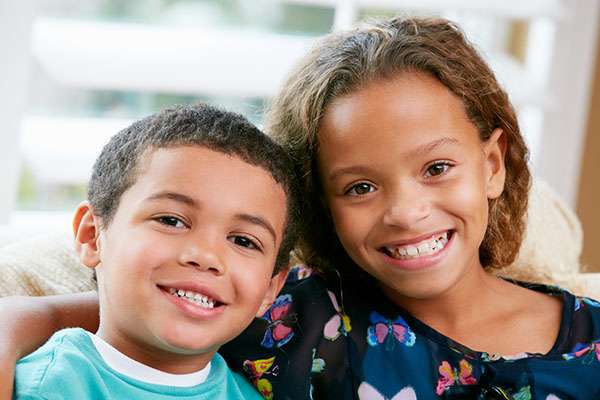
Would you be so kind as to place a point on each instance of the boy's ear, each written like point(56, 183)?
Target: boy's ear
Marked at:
point(277, 282)
point(495, 150)
point(86, 228)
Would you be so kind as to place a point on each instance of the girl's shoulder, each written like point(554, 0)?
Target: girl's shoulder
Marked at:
point(580, 316)
point(586, 319)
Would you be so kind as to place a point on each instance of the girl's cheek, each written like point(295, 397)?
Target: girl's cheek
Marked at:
point(342, 217)
point(469, 202)
point(351, 230)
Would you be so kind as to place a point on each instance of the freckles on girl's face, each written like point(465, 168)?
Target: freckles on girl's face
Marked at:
point(407, 181)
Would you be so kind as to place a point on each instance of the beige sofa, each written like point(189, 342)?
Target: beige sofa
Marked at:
point(46, 264)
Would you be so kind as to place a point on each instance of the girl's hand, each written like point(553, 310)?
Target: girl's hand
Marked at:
point(27, 322)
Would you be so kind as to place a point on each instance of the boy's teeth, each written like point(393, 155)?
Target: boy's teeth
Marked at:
point(412, 251)
point(193, 297)
point(425, 248)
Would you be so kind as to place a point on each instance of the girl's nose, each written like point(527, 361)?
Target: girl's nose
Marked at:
point(202, 255)
point(405, 209)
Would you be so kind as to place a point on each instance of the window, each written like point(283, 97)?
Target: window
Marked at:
point(94, 66)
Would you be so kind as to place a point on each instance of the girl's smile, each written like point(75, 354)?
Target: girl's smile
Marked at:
point(419, 253)
point(407, 181)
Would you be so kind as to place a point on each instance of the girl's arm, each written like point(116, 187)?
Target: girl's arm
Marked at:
point(27, 322)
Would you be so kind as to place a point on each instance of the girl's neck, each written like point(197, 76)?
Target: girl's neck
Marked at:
point(480, 308)
point(476, 295)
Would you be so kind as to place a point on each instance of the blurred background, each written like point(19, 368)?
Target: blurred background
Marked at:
point(74, 72)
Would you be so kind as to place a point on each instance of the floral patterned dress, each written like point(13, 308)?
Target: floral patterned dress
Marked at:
point(347, 341)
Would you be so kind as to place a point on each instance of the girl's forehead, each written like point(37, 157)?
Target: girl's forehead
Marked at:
point(410, 107)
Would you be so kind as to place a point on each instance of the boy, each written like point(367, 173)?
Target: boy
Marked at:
point(188, 212)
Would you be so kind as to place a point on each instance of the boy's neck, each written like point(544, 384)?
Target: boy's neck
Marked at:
point(154, 356)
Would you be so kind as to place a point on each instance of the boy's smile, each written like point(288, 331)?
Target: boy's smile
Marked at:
point(187, 260)
point(407, 181)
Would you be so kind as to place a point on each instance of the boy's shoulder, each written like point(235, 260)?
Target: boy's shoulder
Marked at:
point(57, 369)
point(68, 366)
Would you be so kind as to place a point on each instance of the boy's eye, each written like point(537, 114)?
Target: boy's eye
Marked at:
point(171, 221)
point(360, 189)
point(244, 241)
point(438, 168)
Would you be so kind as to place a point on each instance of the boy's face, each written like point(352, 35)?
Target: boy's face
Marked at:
point(187, 261)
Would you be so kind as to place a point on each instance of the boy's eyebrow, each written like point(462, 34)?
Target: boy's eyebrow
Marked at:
point(253, 219)
point(182, 198)
point(419, 151)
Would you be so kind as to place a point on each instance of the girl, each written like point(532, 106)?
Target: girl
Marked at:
point(415, 175)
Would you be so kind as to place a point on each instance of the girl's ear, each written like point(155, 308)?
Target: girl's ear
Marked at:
point(494, 151)
point(277, 282)
point(86, 228)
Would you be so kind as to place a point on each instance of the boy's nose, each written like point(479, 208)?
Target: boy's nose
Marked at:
point(202, 256)
point(405, 209)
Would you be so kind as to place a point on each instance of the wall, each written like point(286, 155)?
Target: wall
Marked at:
point(588, 204)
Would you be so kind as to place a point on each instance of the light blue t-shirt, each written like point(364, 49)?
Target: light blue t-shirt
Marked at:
point(68, 366)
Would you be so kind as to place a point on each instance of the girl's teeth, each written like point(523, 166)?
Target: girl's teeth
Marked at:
point(425, 248)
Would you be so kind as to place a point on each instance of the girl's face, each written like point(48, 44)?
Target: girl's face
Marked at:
point(407, 181)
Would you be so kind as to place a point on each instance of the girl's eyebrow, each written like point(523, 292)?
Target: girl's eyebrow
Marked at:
point(431, 146)
point(354, 169)
point(421, 150)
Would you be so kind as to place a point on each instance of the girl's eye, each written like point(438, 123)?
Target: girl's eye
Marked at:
point(244, 241)
point(171, 221)
point(438, 168)
point(360, 189)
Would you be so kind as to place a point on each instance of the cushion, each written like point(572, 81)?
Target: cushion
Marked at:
point(551, 249)
point(43, 265)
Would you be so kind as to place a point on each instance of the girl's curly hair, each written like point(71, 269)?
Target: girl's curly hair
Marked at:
point(343, 62)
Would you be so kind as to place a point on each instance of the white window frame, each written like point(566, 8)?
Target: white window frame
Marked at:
point(258, 62)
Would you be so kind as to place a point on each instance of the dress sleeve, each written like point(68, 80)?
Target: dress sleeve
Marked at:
point(585, 324)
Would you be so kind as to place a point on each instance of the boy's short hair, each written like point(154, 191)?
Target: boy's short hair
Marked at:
point(117, 167)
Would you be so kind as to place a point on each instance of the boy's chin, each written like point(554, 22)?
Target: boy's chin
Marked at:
point(190, 347)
